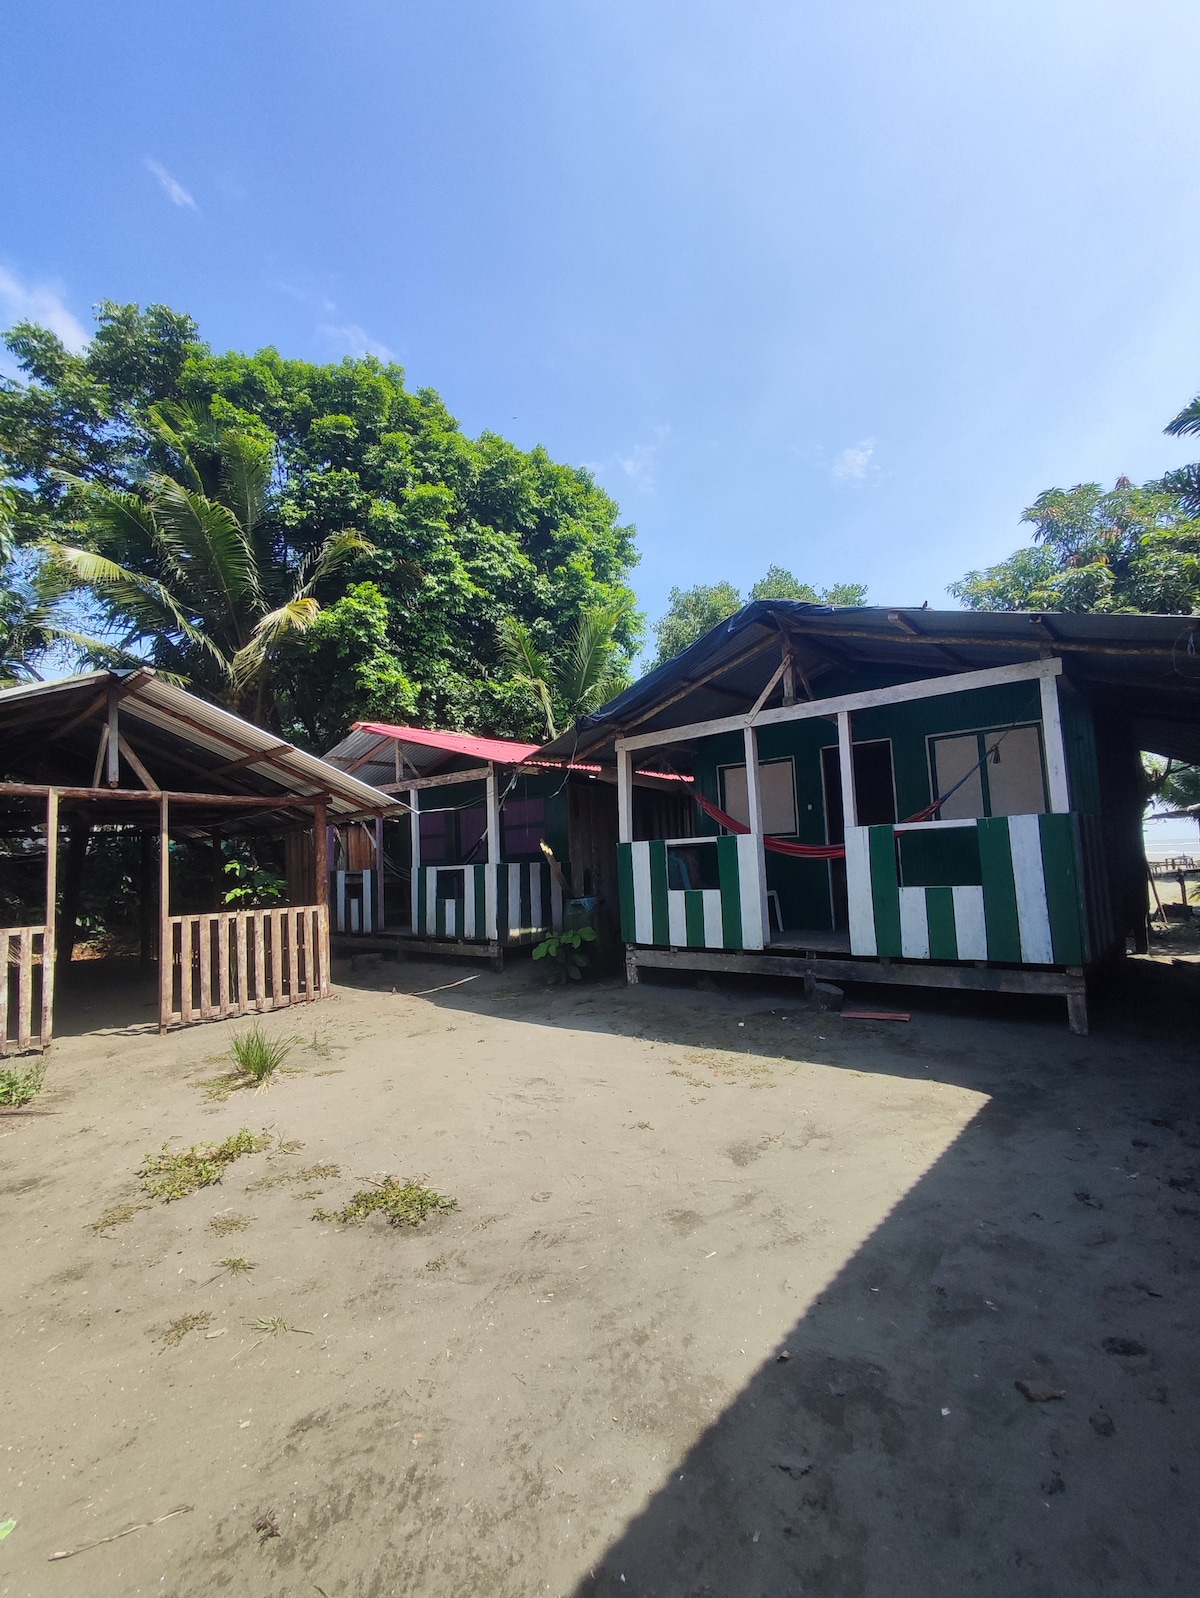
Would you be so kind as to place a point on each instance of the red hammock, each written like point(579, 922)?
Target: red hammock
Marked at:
point(805, 851)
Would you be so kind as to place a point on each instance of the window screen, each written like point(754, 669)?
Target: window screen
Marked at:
point(523, 822)
point(437, 837)
point(777, 782)
point(1002, 768)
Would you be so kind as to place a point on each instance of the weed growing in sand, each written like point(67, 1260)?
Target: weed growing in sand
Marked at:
point(116, 1216)
point(18, 1086)
point(401, 1203)
point(178, 1330)
point(173, 1176)
point(236, 1265)
point(258, 1055)
point(272, 1325)
point(222, 1225)
point(438, 1264)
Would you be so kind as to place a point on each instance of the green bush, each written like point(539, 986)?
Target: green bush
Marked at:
point(565, 952)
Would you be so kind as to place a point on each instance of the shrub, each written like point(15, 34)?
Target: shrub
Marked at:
point(565, 951)
point(258, 1055)
point(18, 1086)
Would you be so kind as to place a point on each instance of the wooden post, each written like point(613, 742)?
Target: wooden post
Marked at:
point(380, 917)
point(491, 874)
point(320, 853)
point(414, 875)
point(846, 757)
point(113, 750)
point(1056, 755)
point(166, 952)
point(755, 819)
point(624, 795)
point(217, 873)
point(51, 918)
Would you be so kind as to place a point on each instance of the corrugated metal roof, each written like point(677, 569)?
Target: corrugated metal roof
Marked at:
point(48, 733)
point(502, 750)
point(1146, 668)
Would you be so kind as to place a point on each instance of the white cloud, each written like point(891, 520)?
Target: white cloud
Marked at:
point(854, 463)
point(172, 188)
point(40, 302)
point(355, 340)
point(641, 464)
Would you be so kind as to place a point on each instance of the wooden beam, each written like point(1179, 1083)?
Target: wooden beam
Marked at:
point(101, 747)
point(1055, 747)
point(321, 853)
point(139, 769)
point(166, 953)
point(846, 764)
point(112, 746)
point(766, 693)
point(253, 760)
point(901, 693)
point(285, 801)
point(365, 760)
point(447, 780)
point(624, 796)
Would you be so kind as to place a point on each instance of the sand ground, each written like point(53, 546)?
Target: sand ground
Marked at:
point(571, 1383)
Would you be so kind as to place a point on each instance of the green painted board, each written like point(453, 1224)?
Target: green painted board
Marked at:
point(480, 902)
point(731, 892)
point(939, 913)
point(885, 890)
point(1064, 897)
point(658, 892)
point(999, 890)
point(625, 891)
point(693, 910)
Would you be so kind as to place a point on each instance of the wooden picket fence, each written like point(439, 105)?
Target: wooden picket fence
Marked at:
point(25, 994)
point(242, 961)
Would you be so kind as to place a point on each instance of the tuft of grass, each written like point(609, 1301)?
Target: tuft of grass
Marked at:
point(222, 1225)
point(178, 1330)
point(116, 1216)
point(318, 1173)
point(236, 1265)
point(173, 1176)
point(401, 1203)
point(438, 1264)
point(258, 1055)
point(18, 1086)
point(272, 1325)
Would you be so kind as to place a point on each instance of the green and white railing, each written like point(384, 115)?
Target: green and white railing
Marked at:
point(507, 903)
point(1024, 906)
point(728, 916)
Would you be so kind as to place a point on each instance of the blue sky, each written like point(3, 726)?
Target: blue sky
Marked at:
point(840, 285)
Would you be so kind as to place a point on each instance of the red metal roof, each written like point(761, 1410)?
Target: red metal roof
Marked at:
point(502, 750)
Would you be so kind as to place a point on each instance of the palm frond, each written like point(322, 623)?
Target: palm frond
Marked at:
point(245, 476)
point(334, 552)
point(122, 520)
point(528, 666)
point(589, 652)
point(208, 549)
point(151, 606)
point(1188, 420)
point(297, 616)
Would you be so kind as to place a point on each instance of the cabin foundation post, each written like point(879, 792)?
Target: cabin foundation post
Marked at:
point(48, 938)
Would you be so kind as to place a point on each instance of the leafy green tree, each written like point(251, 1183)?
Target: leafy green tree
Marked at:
point(466, 532)
point(1130, 549)
point(189, 564)
point(694, 611)
point(780, 584)
point(587, 669)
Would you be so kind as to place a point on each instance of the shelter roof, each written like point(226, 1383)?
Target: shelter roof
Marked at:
point(50, 735)
point(369, 749)
point(1144, 669)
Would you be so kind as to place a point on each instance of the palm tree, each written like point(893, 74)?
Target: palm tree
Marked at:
point(590, 673)
point(194, 562)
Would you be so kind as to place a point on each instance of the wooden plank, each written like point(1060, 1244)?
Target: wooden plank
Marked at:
point(970, 922)
point(260, 963)
point(860, 901)
point(846, 769)
point(223, 966)
point(25, 988)
point(322, 950)
point(240, 924)
point(447, 779)
point(204, 930)
point(112, 750)
point(1029, 883)
point(277, 956)
point(985, 979)
point(235, 801)
point(1064, 897)
point(885, 891)
point(4, 938)
point(756, 924)
point(914, 924)
point(939, 919)
point(49, 937)
point(303, 962)
point(999, 890)
point(900, 693)
point(186, 1011)
point(1055, 748)
point(729, 876)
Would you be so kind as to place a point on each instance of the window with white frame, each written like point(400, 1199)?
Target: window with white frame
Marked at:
point(1000, 771)
point(777, 785)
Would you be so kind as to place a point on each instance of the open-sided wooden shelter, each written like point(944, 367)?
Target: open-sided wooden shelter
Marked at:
point(906, 796)
point(126, 750)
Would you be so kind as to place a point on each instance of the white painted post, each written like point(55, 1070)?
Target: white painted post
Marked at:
point(113, 774)
point(624, 795)
point(414, 823)
point(846, 757)
point(755, 819)
point(492, 870)
point(1056, 753)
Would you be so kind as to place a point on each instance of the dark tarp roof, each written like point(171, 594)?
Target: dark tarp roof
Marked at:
point(1143, 669)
